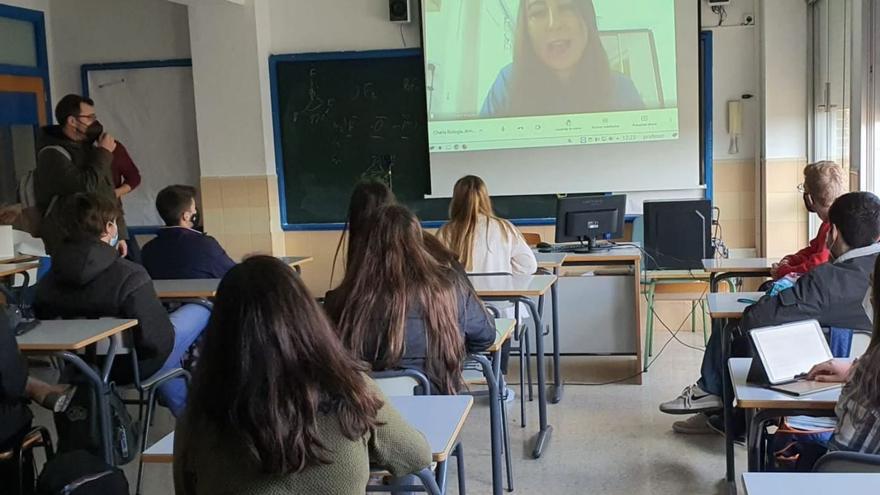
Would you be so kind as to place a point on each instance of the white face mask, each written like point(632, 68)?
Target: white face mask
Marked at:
point(868, 305)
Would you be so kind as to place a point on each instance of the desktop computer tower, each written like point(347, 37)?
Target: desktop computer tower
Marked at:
point(678, 234)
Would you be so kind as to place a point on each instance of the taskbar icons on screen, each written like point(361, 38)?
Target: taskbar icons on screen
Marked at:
point(559, 130)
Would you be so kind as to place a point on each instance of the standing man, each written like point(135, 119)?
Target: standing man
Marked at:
point(73, 157)
point(126, 178)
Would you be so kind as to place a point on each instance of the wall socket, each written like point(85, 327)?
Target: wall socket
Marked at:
point(748, 19)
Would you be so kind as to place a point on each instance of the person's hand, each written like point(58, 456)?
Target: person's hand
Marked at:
point(122, 247)
point(122, 190)
point(834, 370)
point(107, 142)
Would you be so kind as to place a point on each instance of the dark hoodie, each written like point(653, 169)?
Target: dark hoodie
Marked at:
point(87, 170)
point(88, 279)
point(14, 413)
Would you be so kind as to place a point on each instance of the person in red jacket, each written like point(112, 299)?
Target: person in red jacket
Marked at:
point(823, 182)
point(126, 178)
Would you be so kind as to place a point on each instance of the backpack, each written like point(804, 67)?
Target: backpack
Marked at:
point(27, 196)
point(80, 473)
point(79, 428)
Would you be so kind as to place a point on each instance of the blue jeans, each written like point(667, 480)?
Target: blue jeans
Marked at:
point(189, 321)
point(711, 380)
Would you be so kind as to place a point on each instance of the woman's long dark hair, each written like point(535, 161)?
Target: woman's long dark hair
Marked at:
point(535, 90)
point(866, 375)
point(366, 198)
point(395, 273)
point(271, 363)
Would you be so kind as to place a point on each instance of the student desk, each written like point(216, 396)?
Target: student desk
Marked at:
point(12, 269)
point(811, 483)
point(296, 262)
point(205, 288)
point(723, 269)
point(63, 338)
point(20, 258)
point(520, 289)
point(723, 308)
point(439, 417)
point(553, 263)
point(768, 405)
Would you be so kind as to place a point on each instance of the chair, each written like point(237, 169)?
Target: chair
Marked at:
point(860, 342)
point(36, 437)
point(847, 462)
point(532, 239)
point(409, 382)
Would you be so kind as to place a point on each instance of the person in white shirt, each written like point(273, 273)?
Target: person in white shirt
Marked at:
point(484, 242)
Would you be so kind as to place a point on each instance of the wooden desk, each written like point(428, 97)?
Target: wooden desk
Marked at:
point(9, 269)
point(20, 258)
point(63, 338)
point(71, 335)
point(550, 261)
point(439, 417)
point(520, 289)
point(296, 262)
point(494, 286)
point(811, 483)
point(186, 289)
point(739, 265)
point(728, 305)
point(768, 405)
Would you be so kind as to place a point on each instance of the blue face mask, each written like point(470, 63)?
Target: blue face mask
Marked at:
point(114, 241)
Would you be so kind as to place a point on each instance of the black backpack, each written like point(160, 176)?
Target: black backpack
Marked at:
point(81, 473)
point(79, 429)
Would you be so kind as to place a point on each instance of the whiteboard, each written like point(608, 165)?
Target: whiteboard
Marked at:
point(152, 112)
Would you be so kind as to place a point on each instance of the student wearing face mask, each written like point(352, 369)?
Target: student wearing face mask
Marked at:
point(73, 157)
point(179, 251)
point(832, 294)
point(89, 279)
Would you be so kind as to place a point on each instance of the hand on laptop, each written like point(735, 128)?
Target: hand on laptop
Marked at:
point(833, 370)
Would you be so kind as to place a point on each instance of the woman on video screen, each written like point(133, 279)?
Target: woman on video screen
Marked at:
point(559, 66)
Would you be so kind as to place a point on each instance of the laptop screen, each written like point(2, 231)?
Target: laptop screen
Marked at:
point(791, 349)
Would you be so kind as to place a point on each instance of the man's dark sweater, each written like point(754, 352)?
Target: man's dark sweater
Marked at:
point(182, 253)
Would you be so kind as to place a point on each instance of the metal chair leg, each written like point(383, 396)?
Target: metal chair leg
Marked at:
point(505, 432)
point(459, 459)
point(528, 362)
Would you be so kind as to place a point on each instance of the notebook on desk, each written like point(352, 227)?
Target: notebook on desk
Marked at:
point(786, 353)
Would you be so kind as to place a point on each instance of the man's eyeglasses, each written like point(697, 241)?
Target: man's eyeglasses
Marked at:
point(92, 117)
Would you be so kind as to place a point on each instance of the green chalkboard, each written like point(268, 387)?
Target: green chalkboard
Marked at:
point(342, 117)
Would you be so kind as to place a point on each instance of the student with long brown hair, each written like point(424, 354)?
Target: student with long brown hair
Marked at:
point(367, 197)
point(484, 242)
point(401, 308)
point(278, 405)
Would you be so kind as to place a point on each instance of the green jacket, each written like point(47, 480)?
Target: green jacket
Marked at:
point(85, 168)
point(209, 462)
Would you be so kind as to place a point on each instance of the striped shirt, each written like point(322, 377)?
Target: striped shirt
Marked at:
point(858, 424)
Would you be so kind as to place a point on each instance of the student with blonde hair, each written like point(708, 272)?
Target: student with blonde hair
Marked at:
point(824, 182)
point(483, 242)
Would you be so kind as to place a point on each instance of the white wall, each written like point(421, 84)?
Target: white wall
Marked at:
point(92, 31)
point(784, 35)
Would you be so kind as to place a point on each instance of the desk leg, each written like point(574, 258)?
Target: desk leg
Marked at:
point(557, 390)
point(546, 430)
point(720, 325)
point(493, 380)
point(101, 391)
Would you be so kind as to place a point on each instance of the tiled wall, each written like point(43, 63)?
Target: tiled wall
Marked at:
point(243, 214)
point(735, 194)
point(785, 219)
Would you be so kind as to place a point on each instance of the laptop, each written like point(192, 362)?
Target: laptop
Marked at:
point(788, 352)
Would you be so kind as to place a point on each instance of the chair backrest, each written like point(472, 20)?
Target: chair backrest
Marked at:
point(847, 462)
point(402, 383)
point(532, 239)
point(860, 341)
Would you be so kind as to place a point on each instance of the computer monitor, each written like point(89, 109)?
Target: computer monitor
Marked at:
point(678, 234)
point(586, 219)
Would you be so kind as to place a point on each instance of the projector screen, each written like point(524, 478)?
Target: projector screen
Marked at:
point(563, 96)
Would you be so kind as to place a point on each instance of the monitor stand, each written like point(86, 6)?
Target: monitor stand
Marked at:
point(589, 245)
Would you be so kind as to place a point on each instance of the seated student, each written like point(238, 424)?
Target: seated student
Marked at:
point(484, 242)
point(88, 279)
point(278, 405)
point(401, 308)
point(179, 251)
point(831, 293)
point(367, 197)
point(823, 183)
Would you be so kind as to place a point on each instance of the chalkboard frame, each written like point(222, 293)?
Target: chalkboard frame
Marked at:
point(705, 110)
